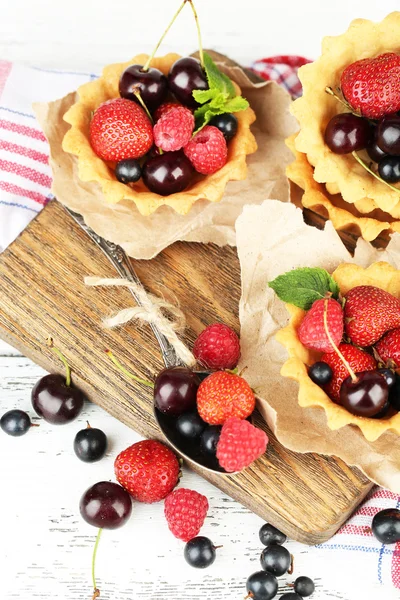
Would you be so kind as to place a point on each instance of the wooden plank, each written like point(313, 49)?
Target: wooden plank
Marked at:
point(42, 293)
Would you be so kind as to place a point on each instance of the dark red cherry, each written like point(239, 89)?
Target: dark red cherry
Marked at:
point(366, 396)
point(185, 76)
point(388, 134)
point(55, 401)
point(346, 133)
point(168, 173)
point(175, 390)
point(106, 505)
point(152, 84)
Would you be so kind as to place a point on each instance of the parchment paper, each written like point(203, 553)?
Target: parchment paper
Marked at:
point(271, 239)
point(144, 237)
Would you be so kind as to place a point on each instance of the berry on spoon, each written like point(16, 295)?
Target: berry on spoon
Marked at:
point(175, 390)
point(209, 440)
point(240, 444)
point(190, 426)
point(223, 395)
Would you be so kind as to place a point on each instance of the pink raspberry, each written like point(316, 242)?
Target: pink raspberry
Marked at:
point(217, 347)
point(239, 444)
point(185, 511)
point(163, 109)
point(207, 150)
point(174, 129)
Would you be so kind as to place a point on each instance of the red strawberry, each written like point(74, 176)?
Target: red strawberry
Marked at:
point(358, 360)
point(239, 444)
point(163, 109)
point(148, 470)
point(389, 347)
point(312, 332)
point(185, 511)
point(207, 150)
point(120, 129)
point(370, 312)
point(217, 347)
point(223, 395)
point(174, 129)
point(372, 85)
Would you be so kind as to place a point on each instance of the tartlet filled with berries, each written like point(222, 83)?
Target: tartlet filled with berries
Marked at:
point(156, 131)
point(343, 342)
point(350, 128)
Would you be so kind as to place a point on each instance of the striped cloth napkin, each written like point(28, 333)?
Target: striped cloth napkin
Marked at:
point(25, 181)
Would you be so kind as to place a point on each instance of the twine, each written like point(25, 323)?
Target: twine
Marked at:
point(151, 310)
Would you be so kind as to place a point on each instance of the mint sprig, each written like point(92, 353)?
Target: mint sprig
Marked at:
point(302, 287)
point(220, 98)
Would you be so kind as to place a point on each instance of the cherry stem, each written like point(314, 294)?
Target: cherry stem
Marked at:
point(128, 373)
point(366, 167)
point(291, 568)
point(88, 426)
point(96, 591)
point(35, 425)
point(330, 91)
point(346, 364)
point(147, 65)
point(63, 360)
point(138, 95)
point(196, 18)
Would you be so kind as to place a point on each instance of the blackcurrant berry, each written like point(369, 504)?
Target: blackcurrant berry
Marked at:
point(366, 396)
point(276, 560)
point(90, 444)
point(375, 152)
point(290, 596)
point(389, 375)
point(15, 422)
point(394, 394)
point(389, 169)
point(209, 440)
point(262, 586)
point(346, 133)
point(128, 170)
point(227, 124)
point(190, 425)
point(386, 526)
point(320, 373)
point(388, 134)
point(200, 552)
point(304, 586)
point(271, 535)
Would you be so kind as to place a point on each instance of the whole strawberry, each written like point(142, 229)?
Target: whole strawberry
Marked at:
point(312, 333)
point(223, 395)
point(372, 85)
point(148, 470)
point(185, 511)
point(217, 347)
point(207, 150)
point(359, 361)
point(240, 444)
point(174, 129)
point(370, 312)
point(388, 347)
point(120, 129)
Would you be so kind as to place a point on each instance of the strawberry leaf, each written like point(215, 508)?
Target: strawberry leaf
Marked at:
point(302, 287)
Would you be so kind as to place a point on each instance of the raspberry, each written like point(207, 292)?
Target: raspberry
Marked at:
point(240, 444)
point(207, 150)
point(174, 129)
point(358, 360)
point(312, 332)
point(223, 395)
point(163, 109)
point(185, 511)
point(217, 347)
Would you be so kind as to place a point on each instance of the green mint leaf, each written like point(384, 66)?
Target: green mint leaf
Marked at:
point(216, 79)
point(219, 101)
point(236, 104)
point(218, 106)
point(203, 96)
point(302, 287)
point(204, 114)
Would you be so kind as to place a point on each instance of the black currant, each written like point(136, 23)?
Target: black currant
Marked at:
point(276, 560)
point(304, 586)
point(389, 375)
point(90, 444)
point(271, 535)
point(15, 422)
point(389, 169)
point(209, 440)
point(128, 170)
point(190, 425)
point(320, 373)
point(227, 124)
point(290, 596)
point(394, 394)
point(200, 552)
point(262, 586)
point(386, 526)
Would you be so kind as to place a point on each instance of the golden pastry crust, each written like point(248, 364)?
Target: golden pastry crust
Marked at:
point(315, 108)
point(362, 216)
point(92, 168)
point(379, 274)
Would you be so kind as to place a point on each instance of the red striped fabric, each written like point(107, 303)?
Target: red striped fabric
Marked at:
point(24, 151)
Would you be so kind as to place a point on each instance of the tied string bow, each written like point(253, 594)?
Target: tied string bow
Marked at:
point(152, 310)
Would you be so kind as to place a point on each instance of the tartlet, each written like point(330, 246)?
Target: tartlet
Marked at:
point(92, 168)
point(347, 276)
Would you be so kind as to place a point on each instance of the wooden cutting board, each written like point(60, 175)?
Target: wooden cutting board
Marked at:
point(42, 293)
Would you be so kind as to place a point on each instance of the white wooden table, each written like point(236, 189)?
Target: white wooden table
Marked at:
point(45, 547)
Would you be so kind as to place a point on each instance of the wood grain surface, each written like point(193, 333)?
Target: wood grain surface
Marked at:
point(42, 293)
